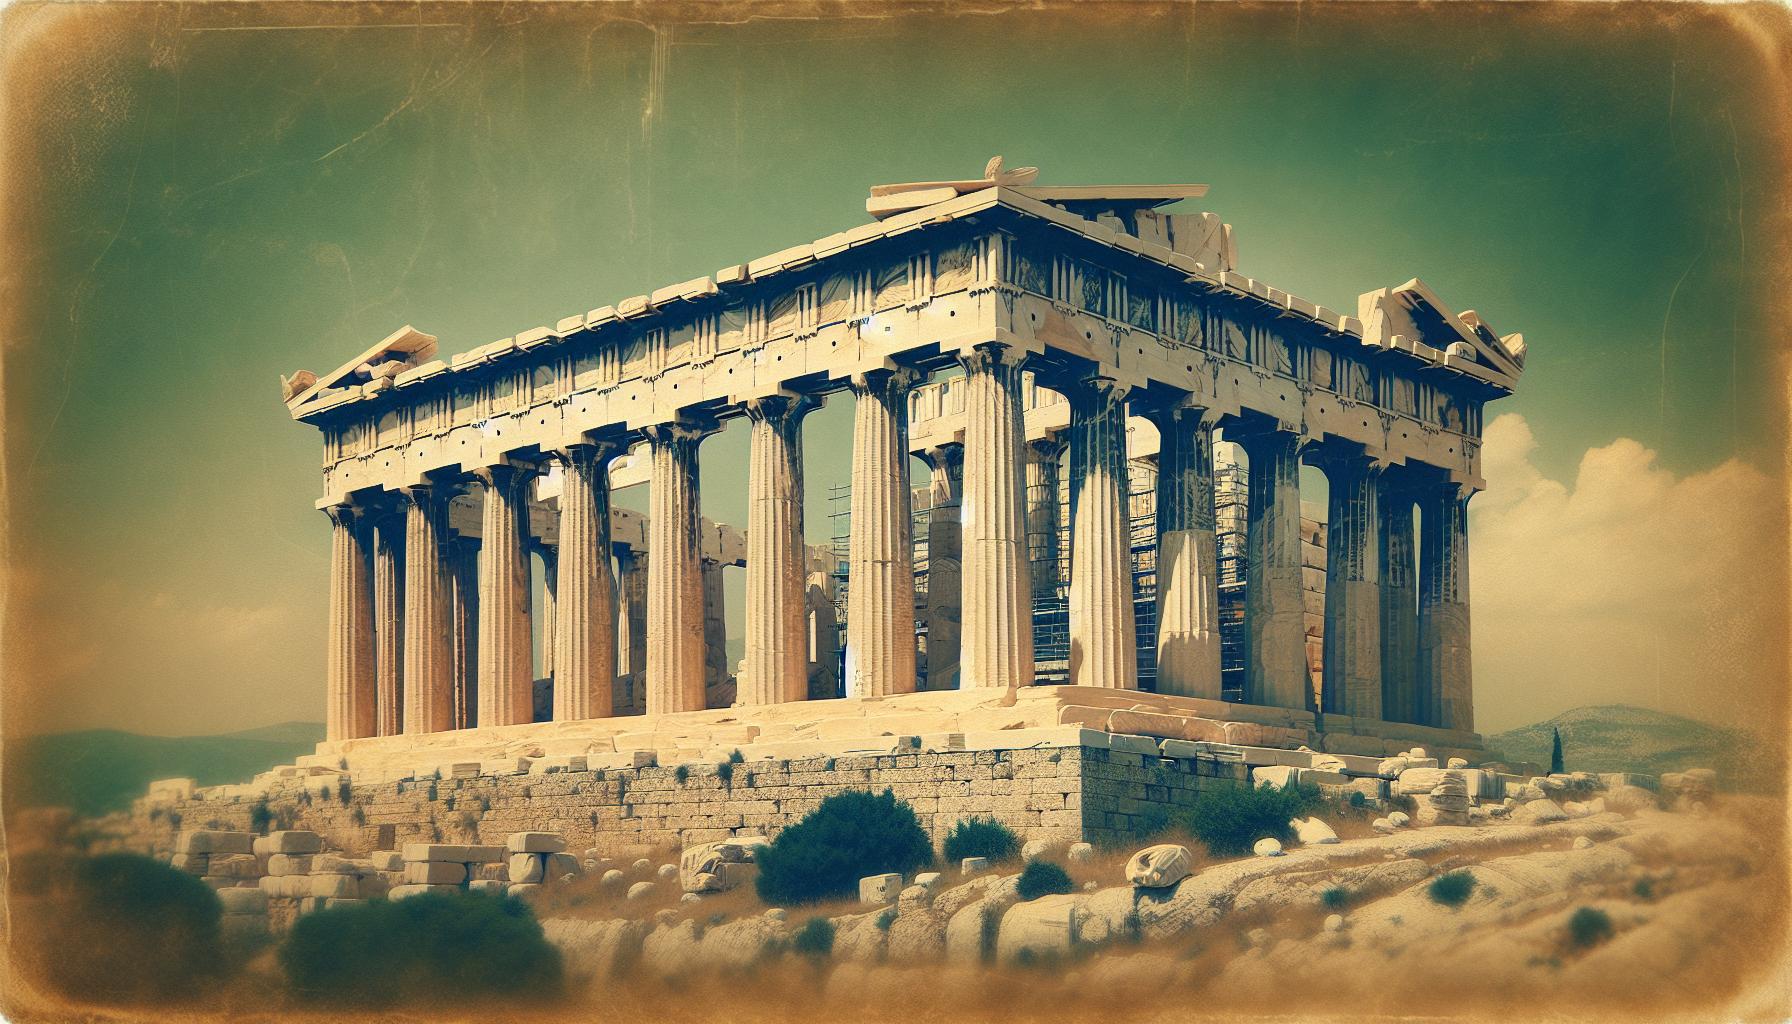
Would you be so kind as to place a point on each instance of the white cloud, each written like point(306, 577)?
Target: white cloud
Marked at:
point(1633, 585)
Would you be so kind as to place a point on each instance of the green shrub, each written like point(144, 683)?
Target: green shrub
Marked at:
point(1334, 897)
point(1043, 878)
point(1452, 889)
point(815, 938)
point(437, 948)
point(260, 817)
point(736, 757)
point(981, 837)
point(725, 771)
point(123, 928)
point(885, 919)
point(1644, 889)
point(849, 836)
point(1230, 819)
point(681, 773)
point(1589, 926)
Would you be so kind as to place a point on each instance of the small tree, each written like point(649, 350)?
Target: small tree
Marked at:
point(849, 836)
point(1043, 878)
point(1555, 754)
point(981, 837)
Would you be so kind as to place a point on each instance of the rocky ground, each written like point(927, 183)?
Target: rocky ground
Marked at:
point(1691, 899)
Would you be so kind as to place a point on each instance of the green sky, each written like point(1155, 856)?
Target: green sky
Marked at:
point(203, 197)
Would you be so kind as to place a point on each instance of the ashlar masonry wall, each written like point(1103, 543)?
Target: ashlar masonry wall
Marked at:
point(1059, 794)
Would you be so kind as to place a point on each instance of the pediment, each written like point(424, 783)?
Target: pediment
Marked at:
point(1413, 311)
point(401, 350)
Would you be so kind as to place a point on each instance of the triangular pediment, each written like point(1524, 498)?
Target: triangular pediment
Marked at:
point(1415, 312)
point(399, 351)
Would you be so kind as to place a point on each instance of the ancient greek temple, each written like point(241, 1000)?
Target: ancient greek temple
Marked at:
point(447, 478)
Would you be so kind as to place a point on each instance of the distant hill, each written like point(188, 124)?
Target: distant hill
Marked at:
point(101, 770)
point(1622, 738)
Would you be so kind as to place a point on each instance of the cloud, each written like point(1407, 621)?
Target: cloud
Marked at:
point(1632, 585)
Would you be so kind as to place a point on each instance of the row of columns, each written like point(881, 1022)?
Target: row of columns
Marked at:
point(1366, 674)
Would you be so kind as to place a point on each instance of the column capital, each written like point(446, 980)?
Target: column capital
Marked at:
point(1160, 406)
point(892, 379)
point(782, 404)
point(588, 448)
point(1049, 446)
point(505, 475)
point(990, 355)
point(687, 427)
point(345, 514)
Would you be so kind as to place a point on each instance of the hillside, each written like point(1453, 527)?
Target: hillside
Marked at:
point(1620, 737)
point(101, 770)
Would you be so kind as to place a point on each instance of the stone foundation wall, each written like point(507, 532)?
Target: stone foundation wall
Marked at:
point(1074, 793)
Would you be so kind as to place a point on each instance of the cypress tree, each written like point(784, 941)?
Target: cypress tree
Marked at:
point(1555, 754)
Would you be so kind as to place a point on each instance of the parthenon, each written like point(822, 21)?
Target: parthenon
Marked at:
point(1010, 289)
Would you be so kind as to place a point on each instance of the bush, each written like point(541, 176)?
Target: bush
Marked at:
point(725, 771)
point(1589, 927)
point(260, 817)
point(1644, 889)
point(1230, 819)
point(440, 948)
point(815, 938)
point(123, 928)
point(1453, 889)
point(1334, 898)
point(1043, 878)
point(849, 836)
point(981, 837)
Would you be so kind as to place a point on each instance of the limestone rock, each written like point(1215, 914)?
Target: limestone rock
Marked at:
point(1539, 812)
point(1159, 866)
point(738, 944)
point(716, 867)
point(492, 885)
point(1313, 832)
point(640, 890)
point(613, 879)
point(973, 865)
point(1384, 826)
point(293, 841)
point(433, 873)
point(1630, 799)
point(667, 872)
point(1457, 762)
point(1583, 842)
point(1033, 850)
point(1107, 915)
point(1268, 846)
point(526, 867)
point(1334, 922)
point(594, 950)
point(1080, 853)
point(535, 842)
point(929, 880)
point(1042, 927)
point(669, 950)
point(918, 935)
point(1399, 819)
point(878, 890)
point(388, 860)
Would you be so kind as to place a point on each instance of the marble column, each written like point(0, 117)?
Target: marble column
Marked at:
point(1043, 514)
point(945, 565)
point(777, 649)
point(465, 620)
point(506, 661)
point(1188, 581)
point(1274, 608)
point(880, 589)
point(550, 604)
point(1445, 691)
point(1103, 637)
point(428, 626)
point(675, 642)
point(350, 711)
point(997, 632)
point(717, 673)
point(631, 629)
point(584, 607)
point(1396, 552)
point(388, 621)
point(1352, 678)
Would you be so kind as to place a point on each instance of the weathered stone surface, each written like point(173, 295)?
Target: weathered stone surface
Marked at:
point(1080, 853)
point(294, 841)
point(739, 944)
point(388, 860)
point(1313, 832)
point(452, 853)
point(289, 864)
point(1630, 799)
point(918, 935)
point(1107, 915)
point(213, 841)
point(858, 938)
point(1158, 866)
point(1268, 846)
point(640, 890)
point(527, 867)
point(337, 886)
point(973, 865)
point(1538, 812)
point(880, 889)
point(534, 842)
point(670, 949)
point(1033, 850)
point(491, 885)
point(595, 950)
point(1043, 927)
point(243, 901)
point(434, 873)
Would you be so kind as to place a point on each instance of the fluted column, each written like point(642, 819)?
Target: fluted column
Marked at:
point(550, 604)
point(777, 652)
point(388, 621)
point(428, 628)
point(997, 636)
point(1274, 609)
point(1399, 600)
point(631, 628)
point(584, 607)
point(1103, 639)
point(465, 619)
point(880, 594)
point(1352, 678)
point(506, 662)
point(349, 712)
point(1445, 684)
point(945, 566)
point(1043, 514)
point(1188, 580)
point(675, 643)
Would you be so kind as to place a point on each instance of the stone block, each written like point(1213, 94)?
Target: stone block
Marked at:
point(1080, 853)
point(452, 853)
point(243, 901)
point(1033, 849)
point(1157, 867)
point(559, 865)
point(1043, 927)
point(493, 885)
point(527, 867)
point(387, 860)
point(334, 886)
point(191, 863)
point(1274, 776)
point(289, 864)
point(973, 866)
point(294, 841)
point(235, 865)
point(336, 864)
point(878, 890)
point(409, 889)
point(434, 872)
point(213, 841)
point(535, 842)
